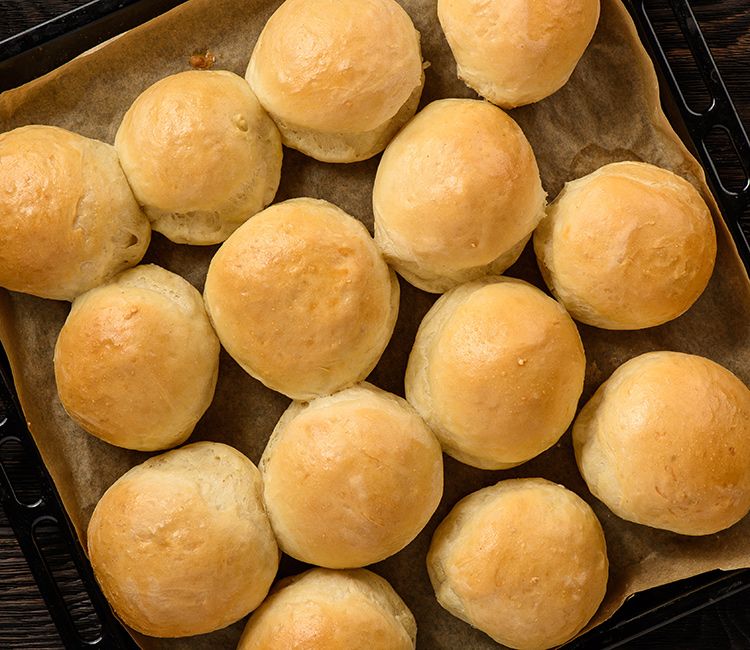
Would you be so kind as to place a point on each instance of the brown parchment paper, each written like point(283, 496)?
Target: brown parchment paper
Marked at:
point(608, 111)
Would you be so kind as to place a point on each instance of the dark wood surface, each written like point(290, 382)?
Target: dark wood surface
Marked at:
point(24, 620)
point(17, 15)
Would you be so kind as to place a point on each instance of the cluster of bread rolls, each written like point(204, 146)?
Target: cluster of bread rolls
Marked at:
point(305, 300)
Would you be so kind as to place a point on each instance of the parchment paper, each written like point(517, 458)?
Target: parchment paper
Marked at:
point(608, 111)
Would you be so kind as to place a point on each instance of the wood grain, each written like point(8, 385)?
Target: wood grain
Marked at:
point(17, 15)
point(726, 27)
point(24, 620)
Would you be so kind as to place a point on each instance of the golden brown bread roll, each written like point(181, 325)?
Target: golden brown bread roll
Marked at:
point(525, 561)
point(516, 52)
point(301, 298)
point(181, 544)
point(68, 220)
point(201, 155)
point(136, 361)
point(457, 195)
point(331, 610)
point(496, 371)
point(339, 77)
point(626, 247)
point(350, 479)
point(665, 442)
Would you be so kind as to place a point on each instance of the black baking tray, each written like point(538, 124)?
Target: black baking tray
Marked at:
point(33, 507)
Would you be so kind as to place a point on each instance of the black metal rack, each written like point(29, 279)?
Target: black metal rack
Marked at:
point(657, 607)
point(26, 490)
point(719, 116)
point(33, 52)
point(46, 536)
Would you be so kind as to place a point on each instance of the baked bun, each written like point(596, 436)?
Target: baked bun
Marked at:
point(524, 561)
point(136, 361)
point(301, 298)
point(627, 247)
point(665, 442)
point(339, 77)
point(350, 479)
point(68, 220)
point(332, 610)
point(181, 544)
point(201, 155)
point(516, 52)
point(457, 194)
point(496, 371)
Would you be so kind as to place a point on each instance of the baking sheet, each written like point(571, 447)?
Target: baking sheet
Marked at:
point(608, 111)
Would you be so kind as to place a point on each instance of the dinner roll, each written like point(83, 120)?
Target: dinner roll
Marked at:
point(524, 561)
point(496, 371)
point(68, 220)
point(665, 442)
point(627, 247)
point(350, 479)
point(201, 155)
point(457, 195)
point(136, 361)
point(339, 77)
point(301, 298)
point(181, 544)
point(332, 610)
point(516, 52)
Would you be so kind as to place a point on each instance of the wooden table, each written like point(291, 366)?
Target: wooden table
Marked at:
point(24, 620)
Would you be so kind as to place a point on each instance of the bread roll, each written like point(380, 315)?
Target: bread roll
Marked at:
point(331, 610)
point(136, 361)
point(201, 155)
point(665, 442)
point(302, 299)
point(457, 195)
point(516, 52)
point(68, 220)
point(524, 561)
point(627, 247)
point(496, 371)
point(350, 479)
point(181, 544)
point(339, 77)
